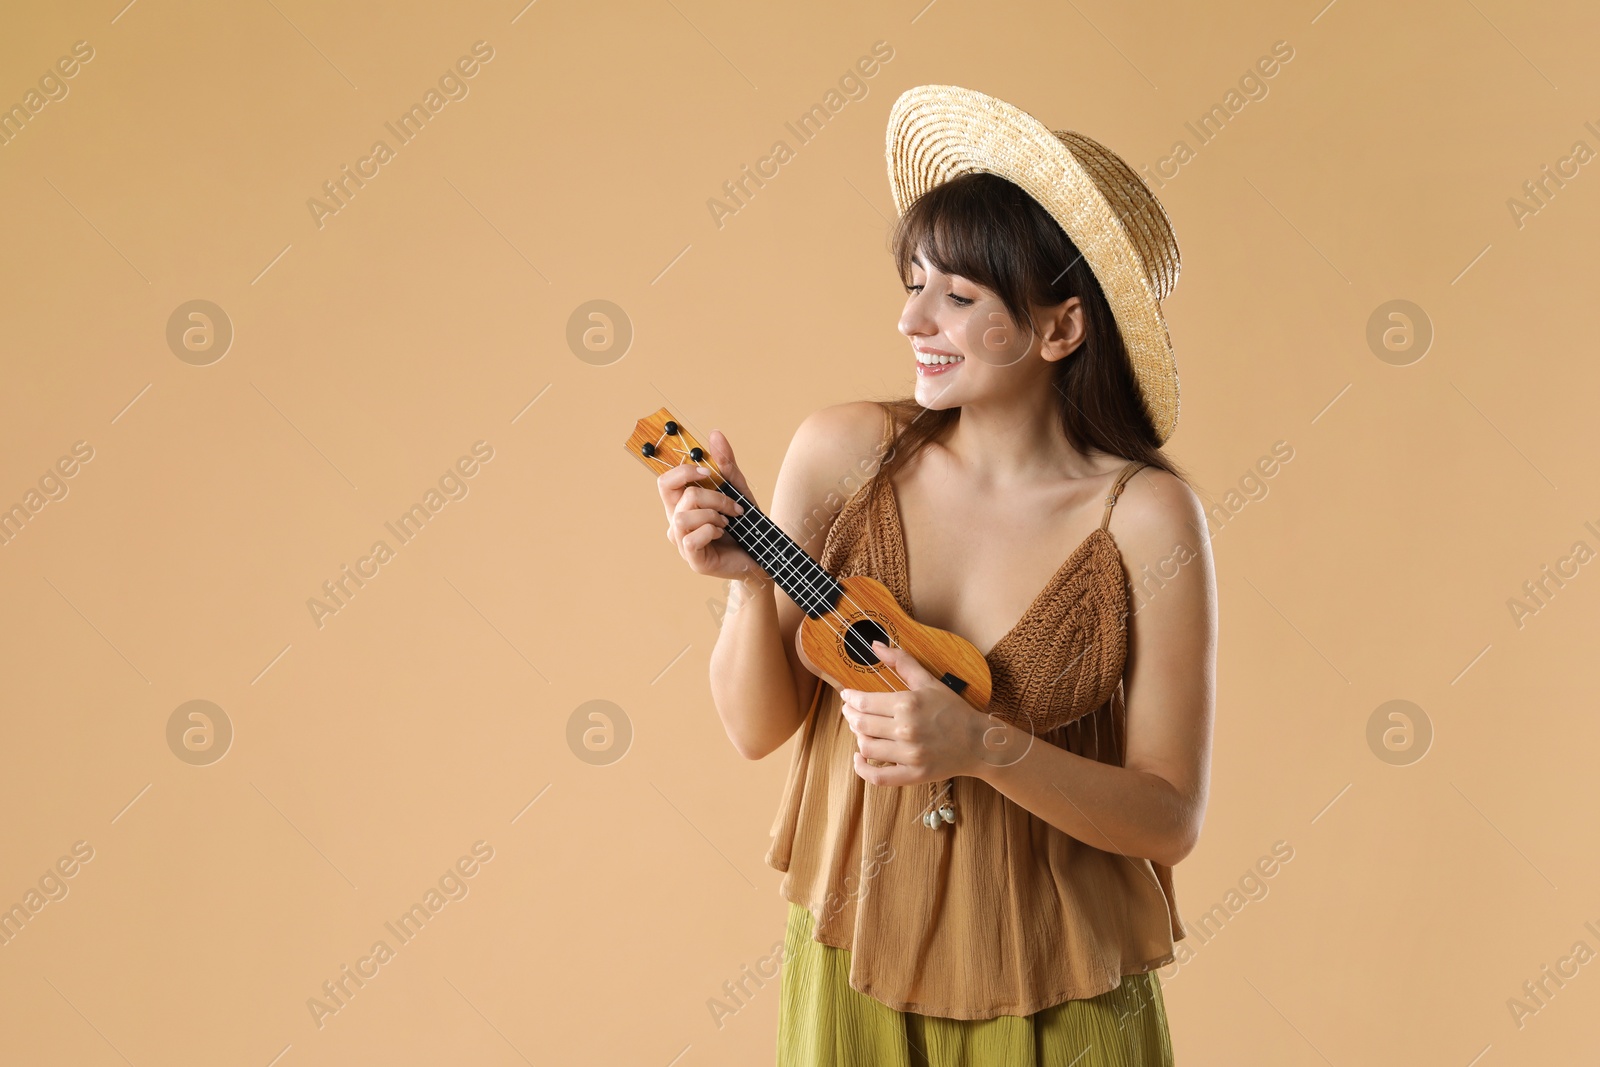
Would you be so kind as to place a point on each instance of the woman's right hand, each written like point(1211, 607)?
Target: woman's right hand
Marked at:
point(697, 517)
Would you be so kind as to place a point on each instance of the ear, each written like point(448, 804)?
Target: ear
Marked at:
point(1062, 329)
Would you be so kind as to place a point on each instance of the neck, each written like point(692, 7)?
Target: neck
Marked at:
point(1016, 444)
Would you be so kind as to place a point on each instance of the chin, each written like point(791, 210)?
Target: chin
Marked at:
point(937, 395)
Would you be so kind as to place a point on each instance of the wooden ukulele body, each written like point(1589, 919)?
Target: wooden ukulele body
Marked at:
point(838, 646)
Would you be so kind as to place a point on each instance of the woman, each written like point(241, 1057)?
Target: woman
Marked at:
point(971, 888)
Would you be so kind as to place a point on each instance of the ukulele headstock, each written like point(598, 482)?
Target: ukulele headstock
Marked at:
point(662, 442)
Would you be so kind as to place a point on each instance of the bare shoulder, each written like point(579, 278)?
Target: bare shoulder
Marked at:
point(1160, 521)
point(834, 451)
point(853, 428)
point(834, 442)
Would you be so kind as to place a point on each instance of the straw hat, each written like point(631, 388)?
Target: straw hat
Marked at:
point(939, 132)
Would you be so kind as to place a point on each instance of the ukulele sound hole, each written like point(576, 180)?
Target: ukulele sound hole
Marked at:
point(858, 641)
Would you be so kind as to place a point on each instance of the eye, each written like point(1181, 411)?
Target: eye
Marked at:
point(959, 301)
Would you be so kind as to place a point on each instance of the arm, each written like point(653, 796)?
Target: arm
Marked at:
point(1154, 806)
point(761, 689)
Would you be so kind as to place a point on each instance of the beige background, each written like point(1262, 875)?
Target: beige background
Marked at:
point(369, 354)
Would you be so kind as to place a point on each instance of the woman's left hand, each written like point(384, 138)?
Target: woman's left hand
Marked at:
point(928, 732)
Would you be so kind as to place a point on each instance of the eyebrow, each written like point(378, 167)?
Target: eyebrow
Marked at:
point(916, 258)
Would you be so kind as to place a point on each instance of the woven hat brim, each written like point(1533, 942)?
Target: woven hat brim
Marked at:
point(939, 132)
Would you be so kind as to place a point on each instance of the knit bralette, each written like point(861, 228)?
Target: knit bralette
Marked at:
point(1065, 655)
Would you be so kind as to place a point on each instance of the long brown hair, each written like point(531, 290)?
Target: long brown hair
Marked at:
point(988, 230)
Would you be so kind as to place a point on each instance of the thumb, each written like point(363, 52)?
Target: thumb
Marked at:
point(721, 451)
point(905, 665)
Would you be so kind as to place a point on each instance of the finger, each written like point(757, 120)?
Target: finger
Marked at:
point(700, 497)
point(881, 750)
point(866, 724)
point(879, 705)
point(670, 482)
point(903, 663)
point(721, 451)
point(680, 475)
point(701, 538)
point(687, 522)
point(899, 774)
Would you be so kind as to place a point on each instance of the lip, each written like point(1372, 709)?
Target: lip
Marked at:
point(928, 370)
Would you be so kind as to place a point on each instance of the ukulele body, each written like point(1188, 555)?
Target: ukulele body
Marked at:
point(838, 646)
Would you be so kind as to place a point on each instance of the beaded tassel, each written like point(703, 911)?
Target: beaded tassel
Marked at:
point(938, 814)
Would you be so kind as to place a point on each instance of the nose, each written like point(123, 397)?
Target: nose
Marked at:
point(916, 319)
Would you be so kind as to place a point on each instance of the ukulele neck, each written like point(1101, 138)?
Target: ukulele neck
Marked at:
point(815, 590)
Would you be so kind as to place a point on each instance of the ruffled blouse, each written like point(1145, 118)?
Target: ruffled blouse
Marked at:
point(999, 913)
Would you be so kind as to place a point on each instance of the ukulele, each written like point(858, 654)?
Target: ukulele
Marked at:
point(843, 616)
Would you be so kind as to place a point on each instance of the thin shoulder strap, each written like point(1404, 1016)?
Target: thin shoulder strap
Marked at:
point(1116, 488)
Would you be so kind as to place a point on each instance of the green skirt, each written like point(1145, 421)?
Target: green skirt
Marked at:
point(823, 1022)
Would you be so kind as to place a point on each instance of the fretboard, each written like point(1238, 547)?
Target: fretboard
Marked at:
point(815, 590)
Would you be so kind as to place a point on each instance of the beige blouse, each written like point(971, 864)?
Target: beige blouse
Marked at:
point(999, 913)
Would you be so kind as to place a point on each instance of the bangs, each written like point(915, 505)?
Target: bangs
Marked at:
point(948, 237)
point(988, 230)
point(954, 232)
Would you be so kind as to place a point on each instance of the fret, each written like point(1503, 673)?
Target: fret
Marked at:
point(804, 580)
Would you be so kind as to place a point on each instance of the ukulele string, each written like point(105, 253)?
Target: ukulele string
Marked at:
point(792, 571)
point(752, 510)
point(938, 793)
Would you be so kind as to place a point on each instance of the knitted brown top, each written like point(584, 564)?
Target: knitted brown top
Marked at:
point(1000, 913)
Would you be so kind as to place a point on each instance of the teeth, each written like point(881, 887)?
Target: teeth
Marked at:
point(931, 358)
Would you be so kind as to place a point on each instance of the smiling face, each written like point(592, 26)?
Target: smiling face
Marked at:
point(967, 345)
